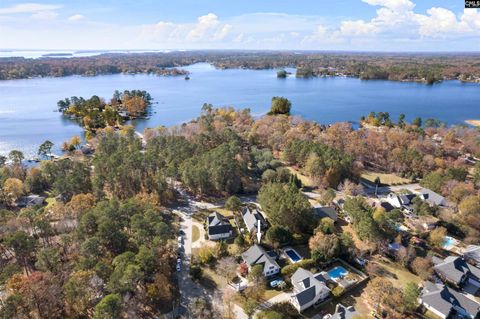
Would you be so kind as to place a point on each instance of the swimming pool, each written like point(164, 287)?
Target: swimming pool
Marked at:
point(337, 272)
point(292, 255)
point(448, 242)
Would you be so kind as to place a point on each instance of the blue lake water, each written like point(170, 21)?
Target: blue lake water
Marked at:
point(28, 117)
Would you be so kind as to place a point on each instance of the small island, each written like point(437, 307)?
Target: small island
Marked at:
point(94, 113)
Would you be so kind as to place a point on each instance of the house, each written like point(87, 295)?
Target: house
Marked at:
point(457, 271)
point(387, 206)
point(251, 219)
point(325, 212)
point(308, 289)
point(30, 201)
point(218, 227)
point(256, 255)
point(432, 198)
point(446, 302)
point(400, 201)
point(342, 312)
point(422, 223)
point(472, 254)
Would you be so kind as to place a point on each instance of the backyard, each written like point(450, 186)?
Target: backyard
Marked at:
point(386, 179)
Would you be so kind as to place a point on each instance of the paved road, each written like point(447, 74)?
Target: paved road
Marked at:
point(188, 288)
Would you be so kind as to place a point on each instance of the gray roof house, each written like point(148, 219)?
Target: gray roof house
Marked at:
point(218, 227)
point(30, 201)
point(308, 289)
point(446, 302)
point(342, 312)
point(256, 255)
point(325, 211)
point(457, 271)
point(472, 254)
point(251, 218)
point(432, 198)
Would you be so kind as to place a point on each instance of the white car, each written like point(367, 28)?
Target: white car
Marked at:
point(180, 239)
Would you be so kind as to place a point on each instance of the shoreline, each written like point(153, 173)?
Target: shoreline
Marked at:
point(475, 123)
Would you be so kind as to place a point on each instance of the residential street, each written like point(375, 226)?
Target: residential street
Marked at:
point(188, 288)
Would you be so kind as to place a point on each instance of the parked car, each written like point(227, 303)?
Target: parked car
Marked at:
point(179, 266)
point(275, 283)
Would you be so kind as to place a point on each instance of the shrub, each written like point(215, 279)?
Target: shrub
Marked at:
point(195, 272)
point(338, 291)
point(290, 269)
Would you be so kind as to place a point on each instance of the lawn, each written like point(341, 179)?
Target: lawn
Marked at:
point(397, 274)
point(225, 212)
point(306, 181)
point(270, 293)
point(195, 233)
point(50, 201)
point(386, 179)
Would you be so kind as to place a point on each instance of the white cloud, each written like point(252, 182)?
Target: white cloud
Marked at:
point(395, 5)
point(396, 19)
point(208, 28)
point(357, 28)
point(45, 15)
point(223, 32)
point(29, 8)
point(76, 17)
point(205, 24)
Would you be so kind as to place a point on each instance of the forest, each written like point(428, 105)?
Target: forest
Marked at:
point(104, 245)
point(95, 113)
point(427, 68)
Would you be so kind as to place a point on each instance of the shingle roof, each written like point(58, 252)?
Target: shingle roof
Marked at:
point(326, 211)
point(432, 198)
point(455, 268)
point(472, 252)
point(251, 218)
point(443, 299)
point(307, 286)
point(218, 224)
point(256, 255)
point(342, 312)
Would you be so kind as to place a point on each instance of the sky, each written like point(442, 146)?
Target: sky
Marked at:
point(349, 25)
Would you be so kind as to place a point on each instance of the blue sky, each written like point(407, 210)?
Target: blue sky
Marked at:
point(361, 25)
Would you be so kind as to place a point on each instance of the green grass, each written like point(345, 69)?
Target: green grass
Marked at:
point(50, 201)
point(306, 181)
point(195, 233)
point(386, 179)
point(270, 293)
point(397, 274)
point(225, 212)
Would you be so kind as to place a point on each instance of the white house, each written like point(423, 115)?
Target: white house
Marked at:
point(308, 289)
point(256, 255)
point(218, 227)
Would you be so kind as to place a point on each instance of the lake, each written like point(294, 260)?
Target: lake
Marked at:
point(28, 114)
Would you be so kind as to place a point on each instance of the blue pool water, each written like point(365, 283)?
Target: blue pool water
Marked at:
point(448, 242)
point(337, 272)
point(292, 254)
